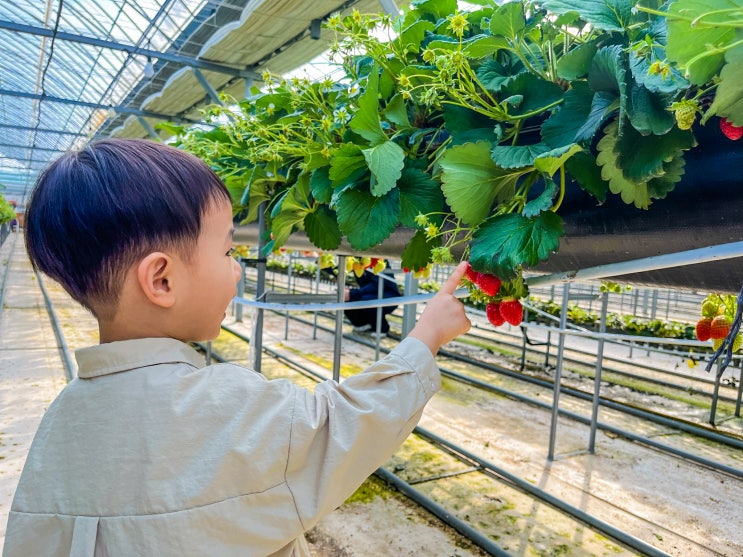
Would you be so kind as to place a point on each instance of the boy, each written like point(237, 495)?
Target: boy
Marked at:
point(148, 452)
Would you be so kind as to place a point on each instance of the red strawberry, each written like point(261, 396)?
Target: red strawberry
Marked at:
point(492, 310)
point(729, 130)
point(490, 284)
point(512, 311)
point(471, 274)
point(703, 328)
point(720, 327)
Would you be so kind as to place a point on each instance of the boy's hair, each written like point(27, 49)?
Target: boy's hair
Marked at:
point(97, 211)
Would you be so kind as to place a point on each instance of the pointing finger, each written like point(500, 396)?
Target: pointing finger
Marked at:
point(451, 284)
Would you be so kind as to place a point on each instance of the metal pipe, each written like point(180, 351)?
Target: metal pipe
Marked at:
point(338, 339)
point(6, 273)
point(256, 346)
point(678, 259)
point(69, 367)
point(558, 371)
point(378, 329)
point(597, 376)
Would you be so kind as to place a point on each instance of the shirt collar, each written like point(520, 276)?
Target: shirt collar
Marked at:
point(124, 355)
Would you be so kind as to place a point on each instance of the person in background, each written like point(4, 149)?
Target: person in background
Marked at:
point(365, 319)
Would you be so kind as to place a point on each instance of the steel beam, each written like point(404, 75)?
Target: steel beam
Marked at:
point(389, 7)
point(31, 148)
point(208, 87)
point(120, 109)
point(42, 130)
point(131, 49)
point(148, 128)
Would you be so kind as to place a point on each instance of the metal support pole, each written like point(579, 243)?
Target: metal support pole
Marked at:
point(715, 394)
point(389, 7)
point(380, 295)
point(740, 390)
point(317, 291)
point(558, 371)
point(209, 353)
point(256, 344)
point(597, 377)
point(409, 312)
point(338, 340)
point(240, 292)
point(289, 291)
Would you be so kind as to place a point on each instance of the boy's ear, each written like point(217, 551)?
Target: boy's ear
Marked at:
point(155, 277)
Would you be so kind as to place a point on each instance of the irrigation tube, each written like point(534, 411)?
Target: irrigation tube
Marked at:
point(593, 522)
point(678, 259)
point(439, 511)
point(69, 367)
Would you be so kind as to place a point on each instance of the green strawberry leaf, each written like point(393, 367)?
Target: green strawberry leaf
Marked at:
point(412, 36)
point(322, 228)
point(659, 187)
point(535, 94)
point(603, 105)
point(655, 82)
point(347, 159)
point(542, 202)
point(551, 161)
point(505, 242)
point(493, 76)
point(583, 169)
point(482, 46)
point(365, 219)
point(397, 113)
point(629, 190)
point(561, 128)
point(292, 210)
point(517, 156)
point(419, 195)
point(610, 15)
point(471, 182)
point(320, 184)
point(417, 252)
point(385, 161)
point(687, 41)
point(508, 21)
point(641, 157)
point(648, 112)
point(576, 63)
point(365, 121)
point(728, 101)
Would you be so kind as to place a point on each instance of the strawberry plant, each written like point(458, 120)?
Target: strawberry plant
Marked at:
point(470, 126)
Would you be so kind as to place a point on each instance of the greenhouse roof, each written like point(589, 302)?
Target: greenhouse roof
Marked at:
point(74, 70)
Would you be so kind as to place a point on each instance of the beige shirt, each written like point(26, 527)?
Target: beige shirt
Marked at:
point(150, 453)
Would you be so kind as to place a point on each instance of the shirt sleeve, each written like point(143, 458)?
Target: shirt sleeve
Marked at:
point(341, 433)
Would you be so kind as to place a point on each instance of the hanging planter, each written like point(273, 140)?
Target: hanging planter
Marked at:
point(513, 135)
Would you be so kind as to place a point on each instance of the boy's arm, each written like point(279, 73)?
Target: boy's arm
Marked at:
point(342, 433)
point(444, 318)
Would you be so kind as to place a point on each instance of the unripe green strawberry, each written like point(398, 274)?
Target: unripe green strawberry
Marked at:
point(720, 327)
point(737, 342)
point(710, 309)
point(685, 113)
point(702, 329)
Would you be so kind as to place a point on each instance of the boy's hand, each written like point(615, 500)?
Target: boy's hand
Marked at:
point(443, 319)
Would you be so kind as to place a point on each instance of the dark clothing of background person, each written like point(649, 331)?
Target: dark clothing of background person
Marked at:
point(368, 284)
